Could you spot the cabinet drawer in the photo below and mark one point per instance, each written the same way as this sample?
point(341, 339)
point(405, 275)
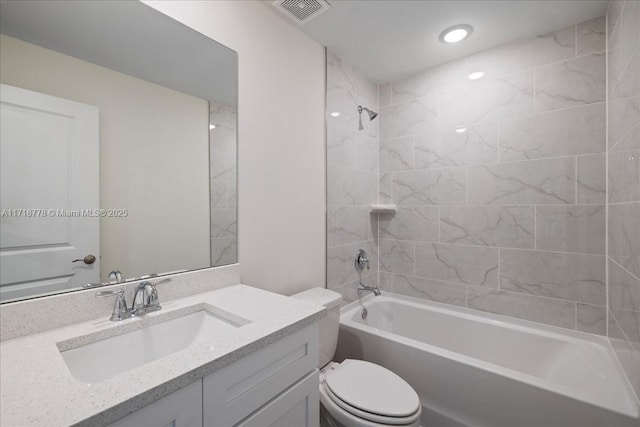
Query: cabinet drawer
point(237, 390)
point(182, 408)
point(299, 406)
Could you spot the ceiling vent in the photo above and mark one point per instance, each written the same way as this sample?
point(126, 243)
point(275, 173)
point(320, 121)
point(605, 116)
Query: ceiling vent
point(302, 11)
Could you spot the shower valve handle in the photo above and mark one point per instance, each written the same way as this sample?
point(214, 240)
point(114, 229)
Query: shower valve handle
point(361, 260)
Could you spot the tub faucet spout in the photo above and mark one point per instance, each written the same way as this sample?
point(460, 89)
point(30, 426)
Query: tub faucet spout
point(363, 289)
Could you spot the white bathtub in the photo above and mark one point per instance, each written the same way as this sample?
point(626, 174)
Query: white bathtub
point(478, 369)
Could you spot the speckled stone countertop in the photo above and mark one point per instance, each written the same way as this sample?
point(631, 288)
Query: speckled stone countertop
point(37, 388)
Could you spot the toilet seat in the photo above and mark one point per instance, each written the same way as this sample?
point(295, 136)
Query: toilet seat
point(392, 402)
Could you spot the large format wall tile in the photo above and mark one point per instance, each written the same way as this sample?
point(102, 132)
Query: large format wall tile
point(591, 184)
point(526, 182)
point(410, 223)
point(528, 307)
point(430, 82)
point(472, 265)
point(624, 235)
point(348, 224)
point(623, 61)
point(628, 83)
point(624, 176)
point(571, 228)
point(345, 75)
point(624, 117)
point(352, 177)
point(571, 83)
point(572, 131)
point(628, 354)
point(477, 145)
point(432, 290)
point(409, 118)
point(430, 187)
point(224, 251)
point(534, 140)
point(591, 318)
point(224, 223)
point(525, 54)
point(396, 154)
point(591, 36)
point(396, 256)
point(484, 101)
point(629, 322)
point(385, 191)
point(573, 277)
point(340, 262)
point(506, 226)
point(624, 288)
point(346, 186)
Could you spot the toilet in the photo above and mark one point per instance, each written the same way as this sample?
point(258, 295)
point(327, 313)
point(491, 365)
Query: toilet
point(356, 393)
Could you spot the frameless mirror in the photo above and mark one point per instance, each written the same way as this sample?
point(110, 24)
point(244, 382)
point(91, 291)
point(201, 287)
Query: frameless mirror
point(118, 146)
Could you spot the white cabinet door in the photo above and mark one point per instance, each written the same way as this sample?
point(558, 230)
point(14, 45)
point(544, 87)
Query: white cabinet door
point(299, 406)
point(236, 391)
point(182, 408)
point(49, 168)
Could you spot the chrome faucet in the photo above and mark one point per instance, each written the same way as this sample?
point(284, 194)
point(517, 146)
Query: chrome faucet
point(117, 275)
point(361, 261)
point(120, 310)
point(363, 289)
point(145, 298)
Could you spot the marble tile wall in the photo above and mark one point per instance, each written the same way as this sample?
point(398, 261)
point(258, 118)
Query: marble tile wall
point(623, 198)
point(352, 177)
point(223, 176)
point(501, 182)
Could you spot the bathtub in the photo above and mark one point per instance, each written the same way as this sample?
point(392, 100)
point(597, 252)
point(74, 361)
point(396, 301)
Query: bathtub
point(476, 369)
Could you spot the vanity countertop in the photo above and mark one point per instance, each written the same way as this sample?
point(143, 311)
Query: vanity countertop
point(37, 388)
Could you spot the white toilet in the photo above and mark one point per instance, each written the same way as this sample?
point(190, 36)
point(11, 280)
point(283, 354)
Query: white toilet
point(356, 393)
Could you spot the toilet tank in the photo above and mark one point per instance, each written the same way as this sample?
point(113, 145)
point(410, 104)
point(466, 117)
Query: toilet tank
point(329, 325)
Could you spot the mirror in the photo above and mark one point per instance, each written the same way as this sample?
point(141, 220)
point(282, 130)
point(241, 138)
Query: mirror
point(118, 146)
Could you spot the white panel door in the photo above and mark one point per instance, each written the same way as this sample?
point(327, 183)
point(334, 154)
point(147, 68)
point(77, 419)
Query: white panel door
point(49, 193)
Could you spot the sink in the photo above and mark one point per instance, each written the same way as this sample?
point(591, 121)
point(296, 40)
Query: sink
point(100, 360)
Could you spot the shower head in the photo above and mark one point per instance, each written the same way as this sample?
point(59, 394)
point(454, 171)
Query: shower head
point(372, 115)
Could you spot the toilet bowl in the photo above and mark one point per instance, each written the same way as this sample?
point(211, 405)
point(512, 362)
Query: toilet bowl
point(356, 393)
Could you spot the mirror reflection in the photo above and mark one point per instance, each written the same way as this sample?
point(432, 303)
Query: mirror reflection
point(118, 147)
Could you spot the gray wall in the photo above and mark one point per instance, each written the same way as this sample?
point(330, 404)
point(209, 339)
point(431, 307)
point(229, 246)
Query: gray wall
point(624, 185)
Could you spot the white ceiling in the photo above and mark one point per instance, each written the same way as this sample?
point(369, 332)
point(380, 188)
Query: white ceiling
point(388, 40)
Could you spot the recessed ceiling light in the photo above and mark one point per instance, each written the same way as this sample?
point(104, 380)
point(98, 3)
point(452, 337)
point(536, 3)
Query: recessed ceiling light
point(456, 33)
point(335, 114)
point(211, 127)
point(476, 75)
point(461, 130)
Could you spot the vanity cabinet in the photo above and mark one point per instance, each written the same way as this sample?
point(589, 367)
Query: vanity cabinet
point(182, 408)
point(274, 386)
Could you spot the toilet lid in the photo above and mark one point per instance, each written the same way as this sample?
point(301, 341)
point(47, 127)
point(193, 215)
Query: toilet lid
point(372, 388)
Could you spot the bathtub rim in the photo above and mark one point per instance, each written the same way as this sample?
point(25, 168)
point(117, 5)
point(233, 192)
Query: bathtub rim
point(630, 407)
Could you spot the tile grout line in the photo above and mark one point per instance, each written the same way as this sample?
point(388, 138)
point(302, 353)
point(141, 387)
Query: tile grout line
point(606, 179)
point(575, 167)
point(535, 227)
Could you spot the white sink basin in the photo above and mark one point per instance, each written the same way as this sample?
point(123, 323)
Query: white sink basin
point(109, 357)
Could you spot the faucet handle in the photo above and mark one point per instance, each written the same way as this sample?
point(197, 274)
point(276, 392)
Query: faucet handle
point(145, 299)
point(361, 260)
point(120, 310)
point(153, 302)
